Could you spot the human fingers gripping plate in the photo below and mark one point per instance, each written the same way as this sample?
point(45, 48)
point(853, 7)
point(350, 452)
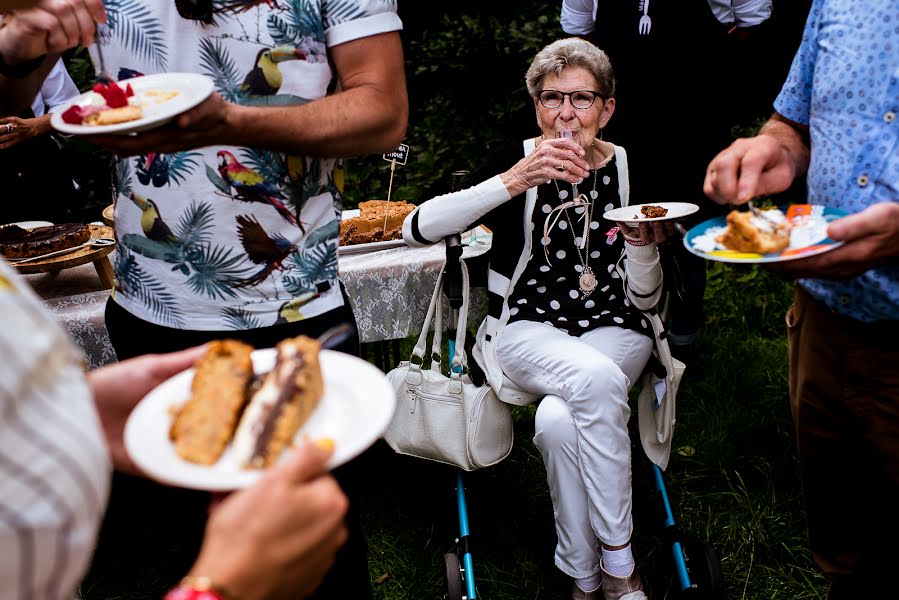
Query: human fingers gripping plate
point(160, 97)
point(356, 407)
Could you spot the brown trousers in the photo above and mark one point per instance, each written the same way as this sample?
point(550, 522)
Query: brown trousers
point(844, 392)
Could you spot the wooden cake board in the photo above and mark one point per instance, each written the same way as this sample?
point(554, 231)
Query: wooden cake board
point(97, 255)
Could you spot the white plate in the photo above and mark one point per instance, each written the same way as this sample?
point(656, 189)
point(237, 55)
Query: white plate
point(193, 88)
point(355, 410)
point(370, 247)
point(29, 224)
point(625, 214)
point(808, 236)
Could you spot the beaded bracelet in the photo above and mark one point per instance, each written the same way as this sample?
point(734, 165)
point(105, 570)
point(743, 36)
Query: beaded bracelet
point(196, 588)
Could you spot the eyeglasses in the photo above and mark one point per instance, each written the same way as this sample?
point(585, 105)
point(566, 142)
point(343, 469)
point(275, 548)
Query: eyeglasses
point(195, 10)
point(580, 99)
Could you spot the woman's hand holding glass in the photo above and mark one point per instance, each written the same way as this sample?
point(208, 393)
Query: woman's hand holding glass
point(555, 158)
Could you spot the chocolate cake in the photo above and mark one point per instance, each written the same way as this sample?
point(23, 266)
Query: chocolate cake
point(369, 225)
point(16, 242)
point(653, 212)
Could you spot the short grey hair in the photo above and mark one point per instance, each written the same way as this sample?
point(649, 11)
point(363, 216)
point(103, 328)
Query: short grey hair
point(571, 52)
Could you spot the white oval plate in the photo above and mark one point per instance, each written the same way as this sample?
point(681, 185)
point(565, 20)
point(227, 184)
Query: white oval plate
point(354, 411)
point(625, 214)
point(29, 224)
point(193, 88)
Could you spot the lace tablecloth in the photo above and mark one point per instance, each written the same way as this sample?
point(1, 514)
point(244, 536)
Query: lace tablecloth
point(389, 290)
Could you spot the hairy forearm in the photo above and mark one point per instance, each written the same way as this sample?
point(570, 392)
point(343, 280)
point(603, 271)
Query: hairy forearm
point(362, 120)
point(792, 137)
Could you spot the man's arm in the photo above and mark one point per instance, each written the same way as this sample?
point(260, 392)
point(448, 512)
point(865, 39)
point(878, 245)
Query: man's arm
point(45, 30)
point(765, 164)
point(369, 115)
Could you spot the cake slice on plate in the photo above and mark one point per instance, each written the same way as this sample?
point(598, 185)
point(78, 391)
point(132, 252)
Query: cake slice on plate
point(204, 425)
point(287, 397)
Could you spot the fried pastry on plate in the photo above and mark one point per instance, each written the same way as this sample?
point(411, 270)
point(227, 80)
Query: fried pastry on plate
point(747, 232)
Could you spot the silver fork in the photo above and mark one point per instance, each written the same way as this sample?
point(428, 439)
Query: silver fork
point(645, 21)
point(752, 208)
point(103, 75)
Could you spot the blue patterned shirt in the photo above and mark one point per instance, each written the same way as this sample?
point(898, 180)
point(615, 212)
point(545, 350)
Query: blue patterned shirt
point(844, 84)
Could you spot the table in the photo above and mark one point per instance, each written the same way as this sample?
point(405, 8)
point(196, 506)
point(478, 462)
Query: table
point(389, 291)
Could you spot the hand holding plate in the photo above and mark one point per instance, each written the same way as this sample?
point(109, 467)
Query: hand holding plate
point(870, 240)
point(204, 125)
point(119, 387)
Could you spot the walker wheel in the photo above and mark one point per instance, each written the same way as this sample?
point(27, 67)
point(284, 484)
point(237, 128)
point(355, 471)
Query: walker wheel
point(705, 571)
point(453, 577)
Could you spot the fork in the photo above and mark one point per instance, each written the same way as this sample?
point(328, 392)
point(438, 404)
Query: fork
point(103, 75)
point(753, 209)
point(645, 21)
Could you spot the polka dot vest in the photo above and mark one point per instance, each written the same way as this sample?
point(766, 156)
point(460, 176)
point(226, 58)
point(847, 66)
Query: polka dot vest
point(549, 293)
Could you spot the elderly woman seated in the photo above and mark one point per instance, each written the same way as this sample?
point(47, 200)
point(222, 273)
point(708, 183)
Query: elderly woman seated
point(566, 291)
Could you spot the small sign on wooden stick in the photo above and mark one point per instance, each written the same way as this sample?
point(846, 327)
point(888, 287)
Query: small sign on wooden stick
point(400, 155)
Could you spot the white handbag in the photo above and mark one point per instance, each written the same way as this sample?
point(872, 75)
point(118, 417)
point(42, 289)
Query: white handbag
point(447, 419)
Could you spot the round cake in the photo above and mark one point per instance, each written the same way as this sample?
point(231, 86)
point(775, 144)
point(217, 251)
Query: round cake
point(16, 242)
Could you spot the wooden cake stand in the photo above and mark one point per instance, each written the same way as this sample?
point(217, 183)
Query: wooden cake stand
point(108, 215)
point(97, 255)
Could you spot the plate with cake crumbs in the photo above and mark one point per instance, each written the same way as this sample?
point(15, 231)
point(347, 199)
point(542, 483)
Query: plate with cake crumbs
point(776, 234)
point(132, 105)
point(355, 405)
point(645, 213)
point(366, 247)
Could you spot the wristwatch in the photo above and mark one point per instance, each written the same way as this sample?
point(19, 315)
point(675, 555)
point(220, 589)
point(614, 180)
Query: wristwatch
point(20, 70)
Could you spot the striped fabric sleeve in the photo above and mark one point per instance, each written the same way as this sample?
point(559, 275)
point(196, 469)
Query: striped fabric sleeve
point(453, 213)
point(644, 275)
point(54, 465)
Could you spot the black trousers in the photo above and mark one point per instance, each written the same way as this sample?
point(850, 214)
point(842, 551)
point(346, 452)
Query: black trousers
point(152, 533)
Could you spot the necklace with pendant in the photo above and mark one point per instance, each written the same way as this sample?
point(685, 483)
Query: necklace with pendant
point(587, 280)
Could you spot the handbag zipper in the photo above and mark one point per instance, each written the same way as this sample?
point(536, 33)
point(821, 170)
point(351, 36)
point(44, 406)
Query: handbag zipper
point(432, 397)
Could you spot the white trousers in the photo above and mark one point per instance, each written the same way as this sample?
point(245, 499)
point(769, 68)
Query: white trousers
point(581, 429)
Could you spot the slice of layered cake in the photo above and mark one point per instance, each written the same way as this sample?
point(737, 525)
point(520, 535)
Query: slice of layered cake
point(289, 394)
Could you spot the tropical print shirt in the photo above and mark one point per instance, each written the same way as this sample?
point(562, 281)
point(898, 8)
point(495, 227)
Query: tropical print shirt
point(225, 238)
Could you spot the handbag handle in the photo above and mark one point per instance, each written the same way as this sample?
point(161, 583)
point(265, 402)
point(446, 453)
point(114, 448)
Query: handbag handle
point(436, 304)
point(419, 350)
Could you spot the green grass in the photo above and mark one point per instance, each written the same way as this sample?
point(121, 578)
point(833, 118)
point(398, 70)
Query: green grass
point(733, 479)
